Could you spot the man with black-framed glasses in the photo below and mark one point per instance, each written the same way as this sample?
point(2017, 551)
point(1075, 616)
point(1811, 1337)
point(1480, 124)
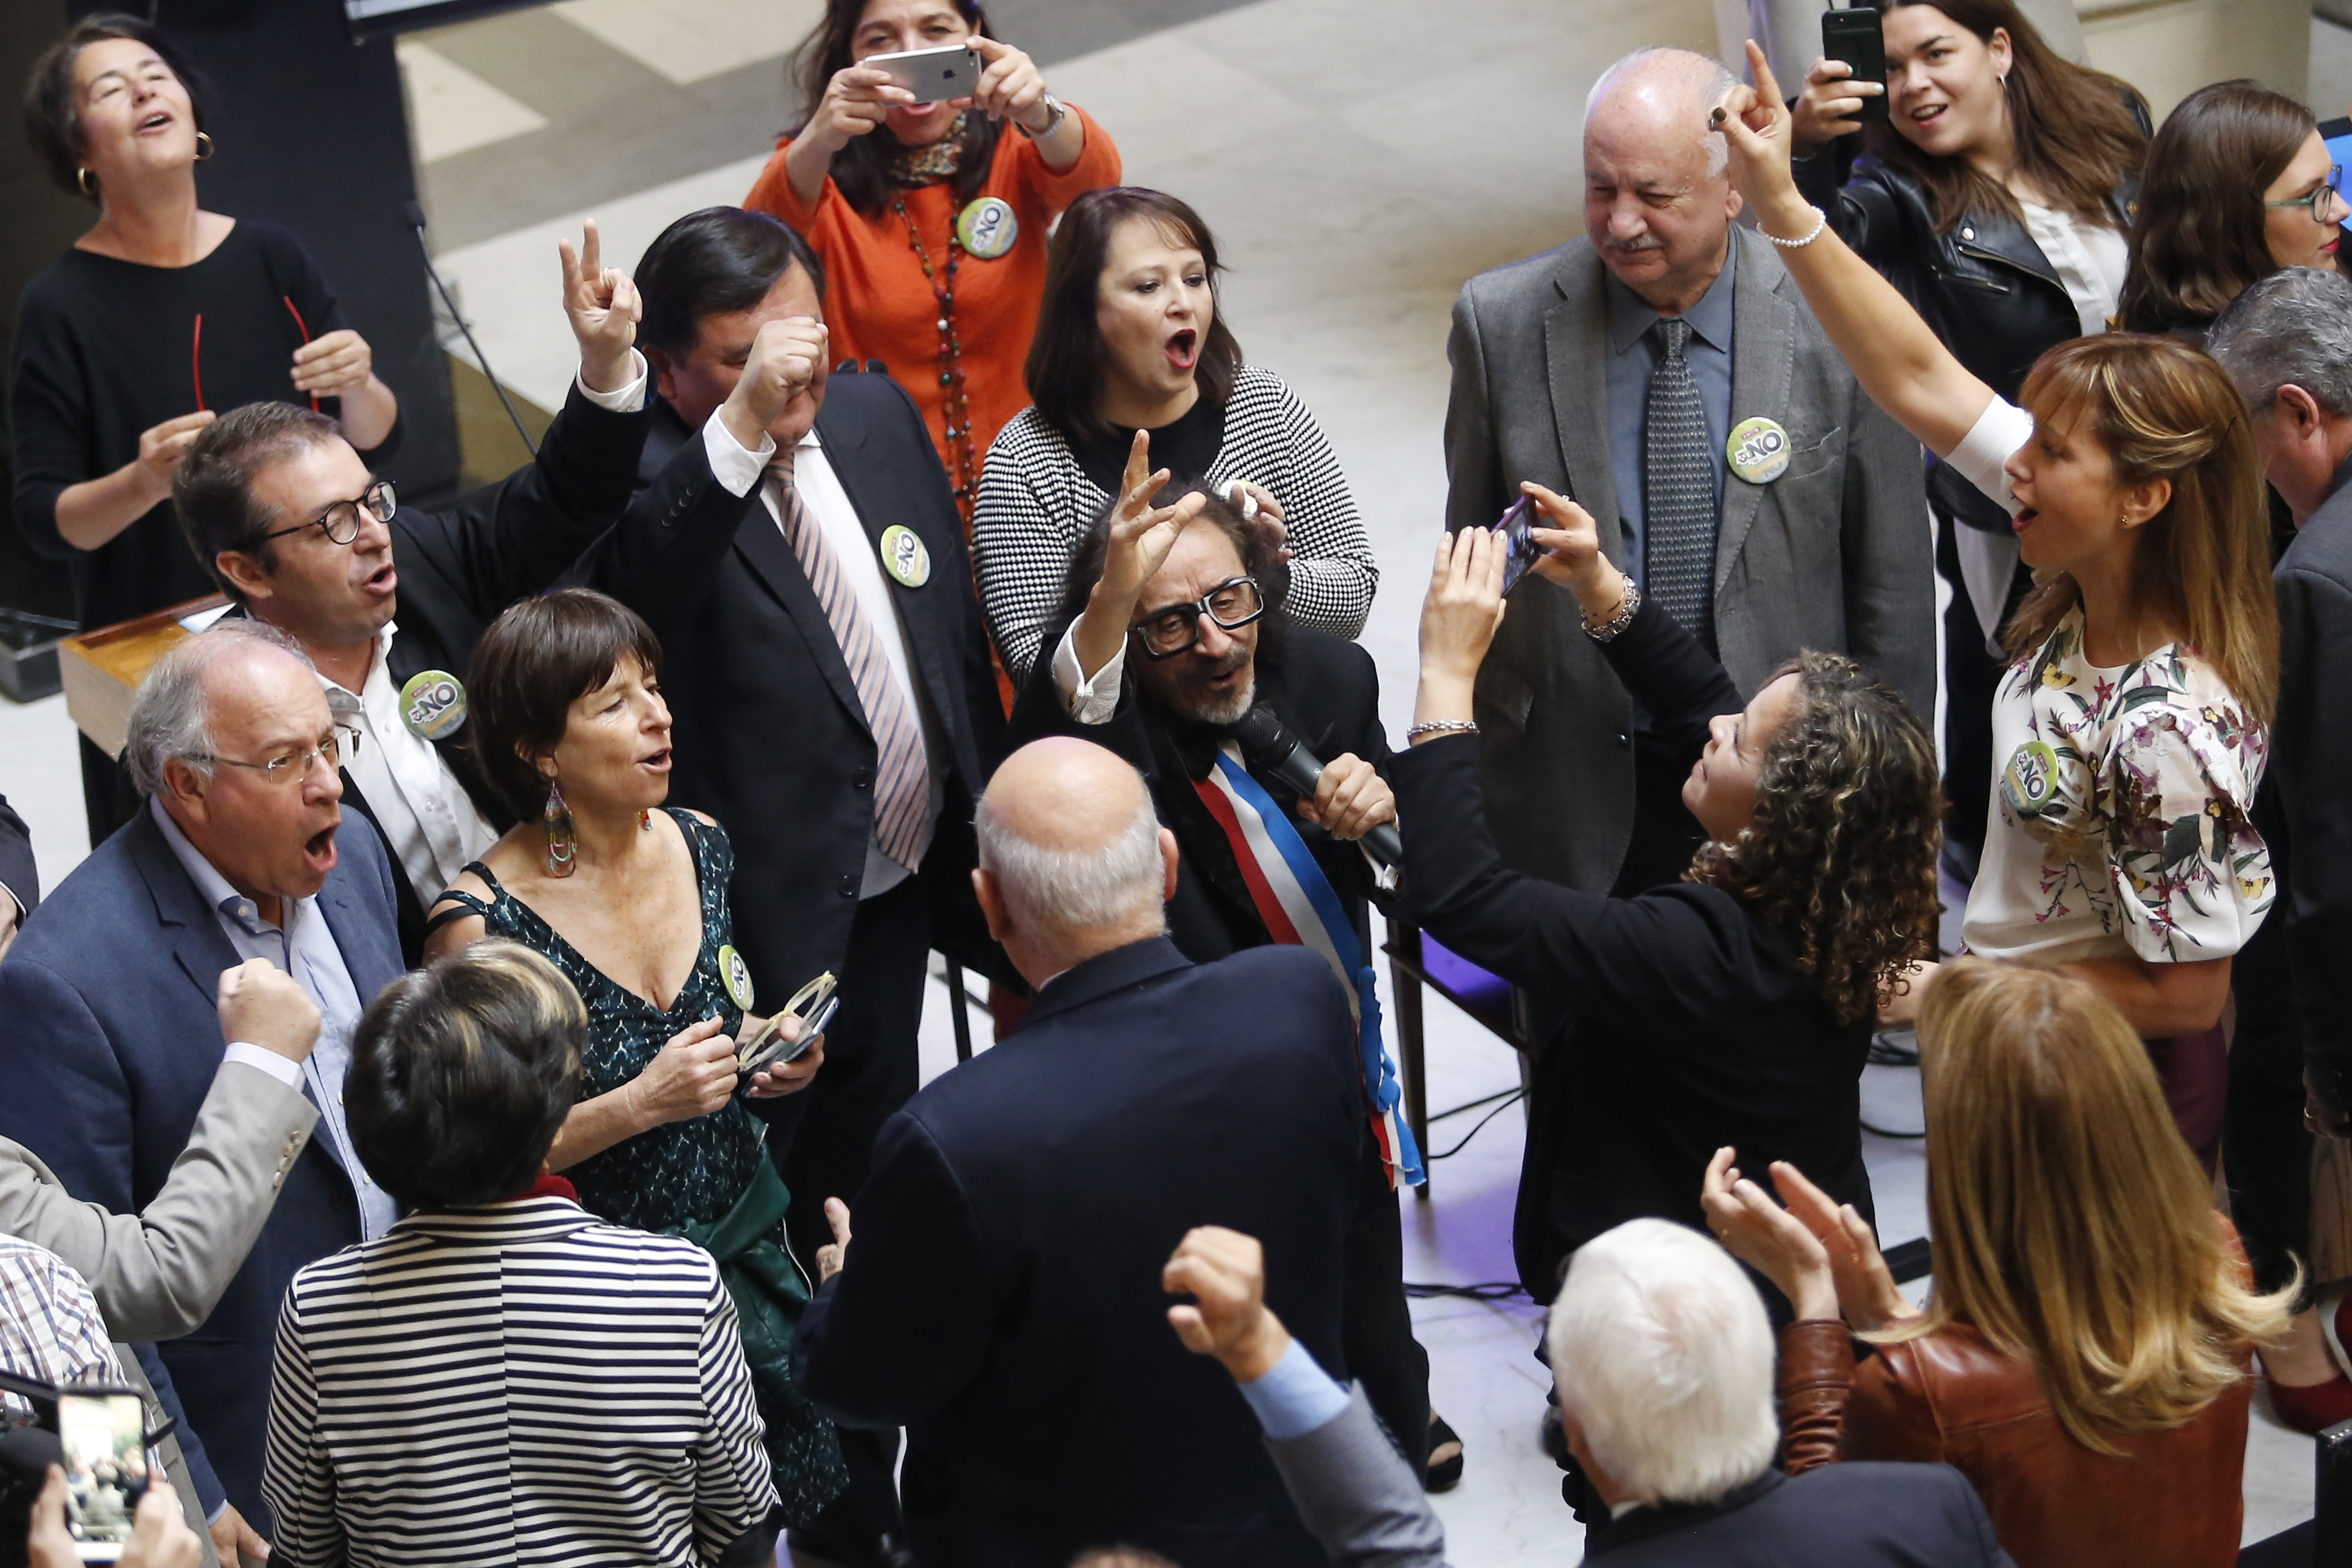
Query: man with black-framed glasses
point(1172, 629)
point(301, 534)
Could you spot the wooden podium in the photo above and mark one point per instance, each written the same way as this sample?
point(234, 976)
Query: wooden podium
point(101, 669)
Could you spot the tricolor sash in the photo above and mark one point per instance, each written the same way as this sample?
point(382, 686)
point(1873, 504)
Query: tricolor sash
point(1296, 901)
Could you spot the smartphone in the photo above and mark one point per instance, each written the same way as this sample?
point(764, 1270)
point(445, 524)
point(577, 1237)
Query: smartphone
point(933, 74)
point(1856, 36)
point(813, 1004)
point(1520, 550)
point(103, 1434)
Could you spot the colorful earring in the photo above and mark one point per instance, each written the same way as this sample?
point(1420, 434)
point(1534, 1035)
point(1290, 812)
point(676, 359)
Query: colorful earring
point(562, 848)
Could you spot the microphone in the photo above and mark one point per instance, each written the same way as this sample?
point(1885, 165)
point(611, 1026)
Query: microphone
point(413, 215)
point(1267, 742)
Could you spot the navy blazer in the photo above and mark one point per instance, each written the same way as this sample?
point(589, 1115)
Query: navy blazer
point(1002, 1299)
point(1852, 1515)
point(769, 736)
point(111, 1044)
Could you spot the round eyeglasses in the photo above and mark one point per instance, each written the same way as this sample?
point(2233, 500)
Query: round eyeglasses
point(341, 740)
point(1232, 604)
point(340, 522)
point(2321, 197)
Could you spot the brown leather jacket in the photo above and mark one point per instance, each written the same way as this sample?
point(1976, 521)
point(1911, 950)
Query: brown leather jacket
point(2174, 1502)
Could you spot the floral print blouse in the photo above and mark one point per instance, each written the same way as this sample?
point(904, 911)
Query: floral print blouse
point(2120, 820)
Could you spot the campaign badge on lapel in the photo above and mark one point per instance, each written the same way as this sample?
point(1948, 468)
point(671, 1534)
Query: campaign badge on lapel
point(1758, 451)
point(736, 975)
point(988, 227)
point(433, 704)
point(905, 556)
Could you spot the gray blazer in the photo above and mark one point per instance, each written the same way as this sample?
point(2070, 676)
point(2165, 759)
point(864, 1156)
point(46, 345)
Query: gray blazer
point(1356, 1494)
point(1835, 554)
point(156, 1274)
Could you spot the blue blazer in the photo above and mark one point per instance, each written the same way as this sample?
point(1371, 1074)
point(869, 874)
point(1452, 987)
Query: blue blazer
point(110, 1041)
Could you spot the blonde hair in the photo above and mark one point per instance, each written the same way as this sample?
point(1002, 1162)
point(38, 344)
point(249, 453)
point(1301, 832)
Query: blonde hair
point(2072, 1226)
point(2164, 411)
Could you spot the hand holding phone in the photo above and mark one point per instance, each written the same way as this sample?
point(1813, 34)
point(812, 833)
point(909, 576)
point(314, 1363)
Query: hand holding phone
point(1856, 37)
point(1520, 550)
point(812, 1008)
point(933, 76)
point(103, 1434)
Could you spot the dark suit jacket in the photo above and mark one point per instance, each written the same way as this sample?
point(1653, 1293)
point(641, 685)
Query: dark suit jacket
point(1326, 690)
point(18, 873)
point(2311, 772)
point(111, 1043)
point(1835, 553)
point(1693, 1026)
point(1854, 1516)
point(460, 568)
point(769, 736)
point(1002, 1299)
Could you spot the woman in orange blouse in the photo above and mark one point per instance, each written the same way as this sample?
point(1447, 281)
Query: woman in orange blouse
point(933, 234)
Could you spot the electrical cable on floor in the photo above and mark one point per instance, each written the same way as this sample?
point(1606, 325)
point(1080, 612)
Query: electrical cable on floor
point(1517, 1094)
point(1885, 1052)
point(1492, 1291)
point(1471, 1105)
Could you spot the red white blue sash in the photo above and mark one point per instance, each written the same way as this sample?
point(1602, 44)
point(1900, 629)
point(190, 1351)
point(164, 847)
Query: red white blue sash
point(1299, 905)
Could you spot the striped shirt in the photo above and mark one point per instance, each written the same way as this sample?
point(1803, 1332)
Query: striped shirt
point(515, 1384)
point(50, 1326)
point(1035, 502)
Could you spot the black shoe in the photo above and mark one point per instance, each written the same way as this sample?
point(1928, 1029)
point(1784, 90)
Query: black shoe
point(1446, 1474)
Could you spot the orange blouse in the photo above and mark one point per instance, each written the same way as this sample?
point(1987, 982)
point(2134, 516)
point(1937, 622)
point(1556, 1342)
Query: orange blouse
point(879, 305)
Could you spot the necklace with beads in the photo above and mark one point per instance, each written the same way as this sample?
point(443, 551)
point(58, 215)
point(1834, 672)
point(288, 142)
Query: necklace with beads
point(955, 405)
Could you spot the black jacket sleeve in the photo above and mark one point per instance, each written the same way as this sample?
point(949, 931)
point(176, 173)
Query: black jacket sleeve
point(665, 554)
point(2312, 770)
point(1673, 677)
point(513, 539)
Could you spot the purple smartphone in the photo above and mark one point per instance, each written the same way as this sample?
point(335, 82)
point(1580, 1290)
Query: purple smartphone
point(1520, 550)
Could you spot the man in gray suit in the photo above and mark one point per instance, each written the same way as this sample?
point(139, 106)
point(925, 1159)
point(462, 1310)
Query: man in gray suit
point(156, 1274)
point(1664, 371)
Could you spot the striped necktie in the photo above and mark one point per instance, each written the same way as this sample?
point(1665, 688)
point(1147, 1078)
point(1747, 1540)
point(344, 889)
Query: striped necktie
point(1677, 490)
point(902, 784)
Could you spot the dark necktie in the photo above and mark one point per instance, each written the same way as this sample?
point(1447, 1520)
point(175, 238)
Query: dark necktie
point(1677, 490)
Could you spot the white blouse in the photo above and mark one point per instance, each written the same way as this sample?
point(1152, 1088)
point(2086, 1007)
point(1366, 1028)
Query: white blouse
point(2089, 258)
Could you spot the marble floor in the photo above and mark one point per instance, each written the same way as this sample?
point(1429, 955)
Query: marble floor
point(1357, 160)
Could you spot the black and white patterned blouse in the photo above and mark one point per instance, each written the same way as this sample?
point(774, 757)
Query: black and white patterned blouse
point(1035, 500)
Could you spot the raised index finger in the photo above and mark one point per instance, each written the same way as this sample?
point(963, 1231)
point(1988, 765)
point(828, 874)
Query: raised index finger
point(1768, 87)
point(571, 266)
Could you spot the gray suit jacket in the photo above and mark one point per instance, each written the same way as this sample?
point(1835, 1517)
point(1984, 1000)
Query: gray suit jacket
point(1835, 554)
point(156, 1274)
point(1356, 1494)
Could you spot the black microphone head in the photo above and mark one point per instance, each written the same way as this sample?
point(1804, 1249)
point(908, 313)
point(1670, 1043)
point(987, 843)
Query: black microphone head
point(414, 214)
point(1264, 739)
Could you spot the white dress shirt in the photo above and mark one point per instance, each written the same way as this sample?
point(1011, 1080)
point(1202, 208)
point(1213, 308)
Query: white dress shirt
point(1090, 699)
point(829, 508)
point(430, 824)
point(303, 947)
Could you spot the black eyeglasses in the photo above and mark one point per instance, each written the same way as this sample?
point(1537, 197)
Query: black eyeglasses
point(296, 763)
point(1232, 604)
point(340, 522)
point(2321, 195)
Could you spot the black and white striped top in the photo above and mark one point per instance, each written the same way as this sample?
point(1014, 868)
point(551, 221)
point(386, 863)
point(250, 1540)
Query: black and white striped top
point(1035, 501)
point(515, 1384)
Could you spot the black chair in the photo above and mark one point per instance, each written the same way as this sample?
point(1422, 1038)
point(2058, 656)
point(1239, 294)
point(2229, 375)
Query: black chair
point(2326, 1538)
point(1417, 959)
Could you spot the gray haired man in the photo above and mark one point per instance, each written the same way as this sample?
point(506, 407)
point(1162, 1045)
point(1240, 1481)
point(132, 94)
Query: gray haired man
point(241, 851)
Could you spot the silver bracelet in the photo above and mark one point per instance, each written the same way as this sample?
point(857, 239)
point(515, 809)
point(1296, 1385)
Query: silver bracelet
point(1607, 632)
point(1442, 726)
point(1820, 222)
point(1053, 123)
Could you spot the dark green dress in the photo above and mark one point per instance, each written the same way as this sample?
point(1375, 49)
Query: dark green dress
point(685, 1178)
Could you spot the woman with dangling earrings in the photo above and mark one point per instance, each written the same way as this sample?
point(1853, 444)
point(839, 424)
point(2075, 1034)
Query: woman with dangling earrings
point(932, 217)
point(158, 318)
point(629, 897)
point(1998, 196)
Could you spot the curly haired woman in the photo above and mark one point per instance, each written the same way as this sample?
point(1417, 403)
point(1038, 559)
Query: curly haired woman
point(1735, 1005)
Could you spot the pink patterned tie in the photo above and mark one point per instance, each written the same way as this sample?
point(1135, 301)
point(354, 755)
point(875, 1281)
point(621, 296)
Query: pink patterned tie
point(902, 783)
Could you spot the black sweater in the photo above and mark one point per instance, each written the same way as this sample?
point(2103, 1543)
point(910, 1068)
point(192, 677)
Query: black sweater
point(107, 350)
point(1693, 1028)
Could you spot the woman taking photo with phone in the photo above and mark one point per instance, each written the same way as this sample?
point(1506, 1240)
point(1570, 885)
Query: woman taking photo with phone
point(1737, 1002)
point(160, 317)
point(2132, 724)
point(1130, 339)
point(2240, 184)
point(930, 217)
point(2083, 1358)
point(1996, 195)
point(628, 898)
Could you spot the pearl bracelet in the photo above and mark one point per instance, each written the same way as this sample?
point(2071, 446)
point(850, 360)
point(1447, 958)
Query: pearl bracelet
point(1820, 222)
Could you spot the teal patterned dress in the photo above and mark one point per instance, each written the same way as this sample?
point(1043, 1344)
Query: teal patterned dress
point(682, 1176)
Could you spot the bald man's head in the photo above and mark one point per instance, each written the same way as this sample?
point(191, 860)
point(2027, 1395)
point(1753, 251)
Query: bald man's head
point(1070, 840)
point(1657, 206)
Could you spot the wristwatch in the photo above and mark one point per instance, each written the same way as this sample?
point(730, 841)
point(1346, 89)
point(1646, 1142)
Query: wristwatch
point(1053, 123)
